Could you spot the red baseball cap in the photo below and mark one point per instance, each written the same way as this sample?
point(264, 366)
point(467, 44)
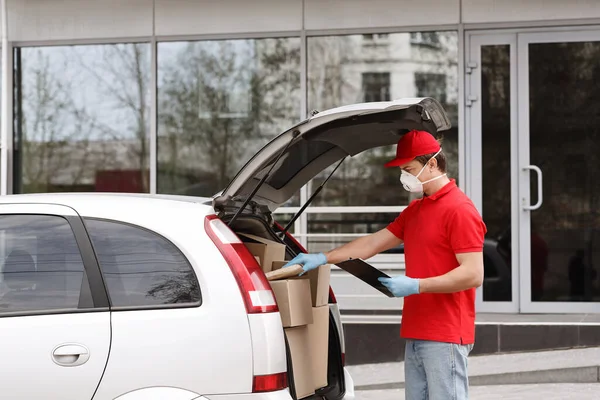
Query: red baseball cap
point(413, 144)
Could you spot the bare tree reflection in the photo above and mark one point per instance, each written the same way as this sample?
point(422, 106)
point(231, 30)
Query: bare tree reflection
point(219, 102)
point(82, 112)
point(180, 288)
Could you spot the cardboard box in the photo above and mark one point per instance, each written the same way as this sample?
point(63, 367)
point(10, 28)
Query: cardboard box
point(266, 250)
point(293, 300)
point(319, 282)
point(319, 285)
point(278, 265)
point(318, 338)
point(300, 354)
point(293, 271)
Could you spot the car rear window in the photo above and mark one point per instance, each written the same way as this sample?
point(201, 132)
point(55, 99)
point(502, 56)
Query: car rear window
point(142, 268)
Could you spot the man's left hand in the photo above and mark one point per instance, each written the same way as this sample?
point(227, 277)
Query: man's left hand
point(401, 285)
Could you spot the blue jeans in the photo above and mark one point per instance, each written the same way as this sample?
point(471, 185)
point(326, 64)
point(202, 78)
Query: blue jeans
point(436, 370)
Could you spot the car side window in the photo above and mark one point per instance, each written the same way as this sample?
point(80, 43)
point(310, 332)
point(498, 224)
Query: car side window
point(142, 268)
point(41, 266)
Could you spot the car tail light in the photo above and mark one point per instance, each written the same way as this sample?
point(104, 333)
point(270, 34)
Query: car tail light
point(253, 284)
point(269, 383)
point(332, 299)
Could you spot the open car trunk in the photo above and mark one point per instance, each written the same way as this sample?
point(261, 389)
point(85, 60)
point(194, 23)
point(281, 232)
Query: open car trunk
point(289, 161)
point(335, 388)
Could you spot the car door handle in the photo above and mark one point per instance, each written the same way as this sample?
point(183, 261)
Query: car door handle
point(70, 355)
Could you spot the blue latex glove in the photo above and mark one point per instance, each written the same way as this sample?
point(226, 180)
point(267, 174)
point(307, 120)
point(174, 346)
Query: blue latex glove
point(308, 261)
point(401, 285)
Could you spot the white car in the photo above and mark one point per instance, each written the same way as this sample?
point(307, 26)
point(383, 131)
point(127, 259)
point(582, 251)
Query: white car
point(139, 297)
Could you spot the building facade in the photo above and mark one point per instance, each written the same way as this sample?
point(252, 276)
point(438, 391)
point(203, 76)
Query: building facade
point(174, 96)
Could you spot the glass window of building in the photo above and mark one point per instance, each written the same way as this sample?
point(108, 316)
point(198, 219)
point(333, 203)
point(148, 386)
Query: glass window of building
point(357, 68)
point(376, 86)
point(219, 102)
point(82, 118)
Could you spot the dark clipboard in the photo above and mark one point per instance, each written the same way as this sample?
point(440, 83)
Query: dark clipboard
point(366, 273)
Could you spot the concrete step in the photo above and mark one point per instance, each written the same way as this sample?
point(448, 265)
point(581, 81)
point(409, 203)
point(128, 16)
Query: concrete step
point(580, 365)
point(376, 339)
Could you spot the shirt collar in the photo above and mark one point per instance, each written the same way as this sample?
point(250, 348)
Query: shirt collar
point(444, 190)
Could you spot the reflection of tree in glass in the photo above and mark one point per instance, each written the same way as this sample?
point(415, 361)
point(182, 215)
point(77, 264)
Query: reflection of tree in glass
point(82, 109)
point(50, 126)
point(219, 102)
point(123, 75)
point(180, 288)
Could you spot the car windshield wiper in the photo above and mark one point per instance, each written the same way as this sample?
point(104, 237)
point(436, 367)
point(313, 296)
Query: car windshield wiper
point(264, 178)
point(316, 192)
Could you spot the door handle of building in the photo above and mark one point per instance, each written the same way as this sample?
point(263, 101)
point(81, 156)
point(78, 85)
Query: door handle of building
point(70, 355)
point(539, 185)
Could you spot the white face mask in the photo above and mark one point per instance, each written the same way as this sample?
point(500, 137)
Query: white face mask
point(412, 183)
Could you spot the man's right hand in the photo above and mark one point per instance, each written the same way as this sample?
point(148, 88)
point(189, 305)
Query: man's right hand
point(308, 261)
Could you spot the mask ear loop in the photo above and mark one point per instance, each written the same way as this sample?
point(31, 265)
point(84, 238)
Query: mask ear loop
point(437, 177)
point(425, 166)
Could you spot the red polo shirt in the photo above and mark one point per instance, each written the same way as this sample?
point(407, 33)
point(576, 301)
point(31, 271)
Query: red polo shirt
point(434, 229)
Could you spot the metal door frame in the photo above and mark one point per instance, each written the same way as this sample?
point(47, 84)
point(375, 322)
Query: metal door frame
point(474, 42)
point(521, 170)
point(524, 39)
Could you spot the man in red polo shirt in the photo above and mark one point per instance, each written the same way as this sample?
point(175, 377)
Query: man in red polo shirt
point(443, 237)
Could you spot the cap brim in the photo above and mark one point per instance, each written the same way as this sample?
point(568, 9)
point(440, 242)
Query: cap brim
point(396, 162)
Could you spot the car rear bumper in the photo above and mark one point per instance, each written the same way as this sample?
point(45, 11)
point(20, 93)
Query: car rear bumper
point(279, 395)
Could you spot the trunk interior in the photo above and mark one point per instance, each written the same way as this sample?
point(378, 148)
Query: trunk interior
point(255, 225)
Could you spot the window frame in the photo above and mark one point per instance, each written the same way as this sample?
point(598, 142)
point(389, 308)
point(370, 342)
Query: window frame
point(156, 307)
point(97, 295)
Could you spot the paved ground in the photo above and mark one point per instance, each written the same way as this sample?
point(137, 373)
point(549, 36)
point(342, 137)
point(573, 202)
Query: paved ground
point(579, 391)
point(372, 376)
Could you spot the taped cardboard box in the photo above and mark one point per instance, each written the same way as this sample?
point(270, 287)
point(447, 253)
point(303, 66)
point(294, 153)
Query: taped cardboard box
point(300, 353)
point(319, 282)
point(318, 338)
point(293, 301)
point(266, 250)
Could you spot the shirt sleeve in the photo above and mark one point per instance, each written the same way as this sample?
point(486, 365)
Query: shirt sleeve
point(466, 230)
point(397, 225)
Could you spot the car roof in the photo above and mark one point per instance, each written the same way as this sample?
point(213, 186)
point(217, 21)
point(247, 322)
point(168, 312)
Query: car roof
point(127, 207)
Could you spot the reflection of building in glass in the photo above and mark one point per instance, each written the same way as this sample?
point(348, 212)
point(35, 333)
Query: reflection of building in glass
point(379, 67)
point(348, 69)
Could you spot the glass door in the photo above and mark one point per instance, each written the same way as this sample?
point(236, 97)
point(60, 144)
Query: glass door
point(491, 139)
point(559, 171)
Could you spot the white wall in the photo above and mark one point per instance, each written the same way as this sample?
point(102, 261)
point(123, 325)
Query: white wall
point(186, 17)
point(481, 11)
point(335, 14)
point(35, 20)
point(51, 20)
